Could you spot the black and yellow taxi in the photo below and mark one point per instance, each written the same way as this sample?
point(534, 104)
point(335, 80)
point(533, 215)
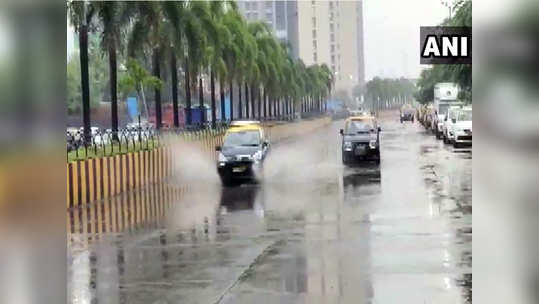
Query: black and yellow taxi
point(360, 139)
point(242, 154)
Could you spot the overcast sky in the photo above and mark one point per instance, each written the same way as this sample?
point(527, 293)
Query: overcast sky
point(392, 35)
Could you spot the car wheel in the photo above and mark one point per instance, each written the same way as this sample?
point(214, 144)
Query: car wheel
point(344, 158)
point(227, 182)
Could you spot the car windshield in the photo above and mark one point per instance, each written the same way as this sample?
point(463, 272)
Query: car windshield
point(359, 126)
point(242, 138)
point(443, 109)
point(464, 116)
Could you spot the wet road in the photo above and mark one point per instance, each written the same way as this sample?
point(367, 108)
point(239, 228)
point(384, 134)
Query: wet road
point(312, 232)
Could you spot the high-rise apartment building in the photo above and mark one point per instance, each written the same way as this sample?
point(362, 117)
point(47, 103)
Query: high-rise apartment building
point(329, 32)
point(272, 13)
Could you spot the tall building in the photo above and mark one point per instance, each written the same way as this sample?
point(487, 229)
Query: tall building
point(329, 32)
point(271, 12)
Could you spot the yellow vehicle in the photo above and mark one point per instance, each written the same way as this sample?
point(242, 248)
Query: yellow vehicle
point(245, 146)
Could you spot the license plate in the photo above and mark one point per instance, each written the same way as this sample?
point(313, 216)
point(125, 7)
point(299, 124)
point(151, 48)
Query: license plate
point(238, 169)
point(360, 150)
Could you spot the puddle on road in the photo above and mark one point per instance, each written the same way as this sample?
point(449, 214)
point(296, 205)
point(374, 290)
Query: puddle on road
point(190, 246)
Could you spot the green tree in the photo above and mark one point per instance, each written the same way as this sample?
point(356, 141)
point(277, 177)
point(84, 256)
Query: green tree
point(136, 79)
point(113, 17)
point(81, 16)
point(148, 30)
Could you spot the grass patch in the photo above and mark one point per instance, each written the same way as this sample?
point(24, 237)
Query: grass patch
point(96, 151)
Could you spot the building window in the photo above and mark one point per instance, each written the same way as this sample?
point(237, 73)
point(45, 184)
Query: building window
point(269, 16)
point(314, 34)
point(247, 6)
point(269, 4)
point(331, 27)
point(315, 57)
point(332, 37)
point(254, 5)
point(314, 44)
point(333, 68)
point(331, 4)
point(313, 2)
point(332, 59)
point(331, 15)
point(314, 21)
point(333, 48)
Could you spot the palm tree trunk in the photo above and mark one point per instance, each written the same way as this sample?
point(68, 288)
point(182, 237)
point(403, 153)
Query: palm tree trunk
point(84, 82)
point(270, 99)
point(113, 95)
point(157, 73)
point(201, 101)
point(265, 104)
point(286, 108)
point(222, 93)
point(188, 116)
point(246, 100)
point(231, 101)
point(277, 111)
point(253, 110)
point(259, 103)
point(174, 73)
point(240, 106)
point(212, 87)
point(280, 107)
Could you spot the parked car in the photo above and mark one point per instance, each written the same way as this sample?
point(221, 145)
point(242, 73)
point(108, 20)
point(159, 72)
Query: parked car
point(360, 139)
point(462, 128)
point(447, 127)
point(429, 118)
point(242, 155)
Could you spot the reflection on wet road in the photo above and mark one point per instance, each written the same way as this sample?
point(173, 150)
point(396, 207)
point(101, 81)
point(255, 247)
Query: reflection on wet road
point(312, 232)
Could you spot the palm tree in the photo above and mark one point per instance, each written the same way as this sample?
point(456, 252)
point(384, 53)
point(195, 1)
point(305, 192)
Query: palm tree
point(198, 44)
point(174, 13)
point(81, 15)
point(219, 36)
point(233, 53)
point(148, 29)
point(194, 45)
point(113, 17)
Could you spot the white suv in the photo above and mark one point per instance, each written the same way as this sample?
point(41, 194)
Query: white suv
point(462, 127)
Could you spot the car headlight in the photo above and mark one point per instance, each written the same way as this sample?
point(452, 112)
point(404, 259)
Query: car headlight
point(222, 158)
point(372, 144)
point(257, 156)
point(347, 146)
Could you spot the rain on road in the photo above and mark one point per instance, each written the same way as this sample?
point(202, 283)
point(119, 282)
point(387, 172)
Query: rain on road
point(313, 231)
